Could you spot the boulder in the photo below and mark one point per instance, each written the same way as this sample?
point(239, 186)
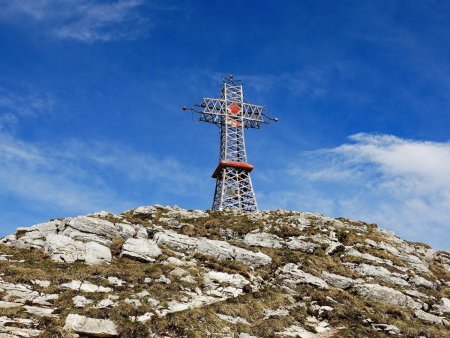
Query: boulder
point(263, 239)
point(81, 301)
point(85, 287)
point(235, 280)
point(214, 248)
point(64, 249)
point(90, 326)
point(266, 240)
point(232, 320)
point(295, 243)
point(17, 327)
point(141, 248)
point(87, 228)
point(378, 272)
point(333, 248)
point(145, 212)
point(40, 311)
point(420, 281)
point(295, 331)
point(97, 254)
point(390, 329)
point(428, 317)
point(20, 293)
point(292, 275)
point(384, 294)
point(337, 280)
point(443, 306)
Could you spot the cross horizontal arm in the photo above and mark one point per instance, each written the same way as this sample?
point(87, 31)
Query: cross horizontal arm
point(212, 111)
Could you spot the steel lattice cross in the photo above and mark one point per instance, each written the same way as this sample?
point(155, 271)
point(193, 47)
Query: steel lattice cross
point(232, 114)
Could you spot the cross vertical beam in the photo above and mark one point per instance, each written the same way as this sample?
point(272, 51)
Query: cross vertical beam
point(232, 114)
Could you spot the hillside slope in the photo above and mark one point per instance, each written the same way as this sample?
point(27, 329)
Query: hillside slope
point(167, 272)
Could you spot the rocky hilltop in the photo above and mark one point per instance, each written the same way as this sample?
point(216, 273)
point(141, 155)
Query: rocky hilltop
point(159, 271)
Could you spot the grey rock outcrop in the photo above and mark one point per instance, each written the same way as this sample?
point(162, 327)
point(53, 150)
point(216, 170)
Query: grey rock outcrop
point(420, 281)
point(97, 253)
point(384, 294)
point(140, 248)
point(92, 229)
point(190, 259)
point(378, 272)
point(214, 248)
point(443, 307)
point(64, 249)
point(428, 317)
point(267, 240)
point(67, 250)
point(263, 239)
point(291, 275)
point(90, 326)
point(337, 280)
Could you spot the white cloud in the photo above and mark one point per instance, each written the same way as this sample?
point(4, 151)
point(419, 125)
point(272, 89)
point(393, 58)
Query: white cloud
point(82, 20)
point(29, 103)
point(309, 81)
point(78, 176)
point(399, 183)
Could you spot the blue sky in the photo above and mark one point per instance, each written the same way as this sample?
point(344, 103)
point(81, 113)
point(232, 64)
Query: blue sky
point(90, 97)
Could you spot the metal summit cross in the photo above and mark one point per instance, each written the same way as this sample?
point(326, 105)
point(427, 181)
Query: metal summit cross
point(231, 113)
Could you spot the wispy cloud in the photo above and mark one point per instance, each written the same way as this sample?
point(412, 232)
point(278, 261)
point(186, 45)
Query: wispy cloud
point(399, 183)
point(82, 20)
point(24, 103)
point(79, 176)
point(30, 102)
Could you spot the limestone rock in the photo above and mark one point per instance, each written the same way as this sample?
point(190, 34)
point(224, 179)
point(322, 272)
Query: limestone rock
point(235, 280)
point(268, 313)
point(428, 317)
point(267, 240)
point(116, 281)
point(390, 329)
point(195, 273)
point(9, 305)
point(81, 301)
point(41, 283)
point(85, 287)
point(295, 331)
point(214, 248)
point(333, 248)
point(420, 281)
point(443, 307)
point(263, 239)
point(91, 229)
point(378, 272)
point(105, 303)
point(145, 212)
point(97, 254)
point(232, 320)
point(337, 280)
point(295, 243)
point(39, 311)
point(64, 249)
point(292, 275)
point(90, 326)
point(18, 292)
point(141, 248)
point(17, 327)
point(384, 294)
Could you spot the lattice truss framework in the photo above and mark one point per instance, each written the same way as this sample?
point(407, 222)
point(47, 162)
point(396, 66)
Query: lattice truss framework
point(232, 114)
